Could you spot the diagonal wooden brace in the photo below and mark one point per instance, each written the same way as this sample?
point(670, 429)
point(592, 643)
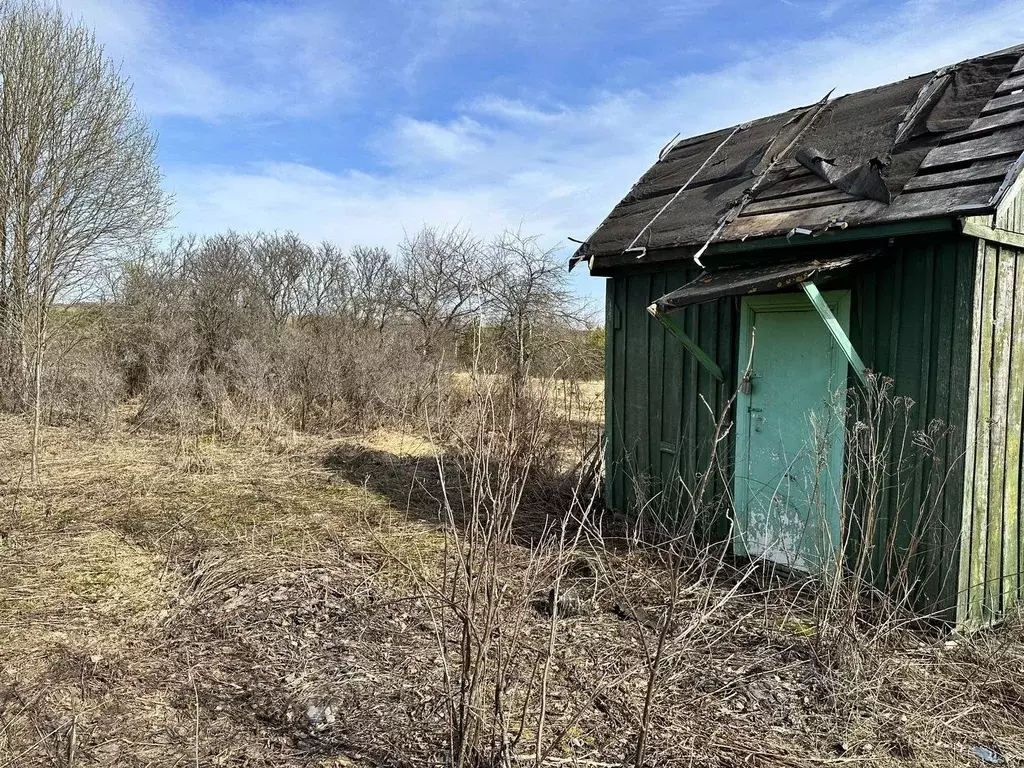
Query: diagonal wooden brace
point(836, 330)
point(676, 330)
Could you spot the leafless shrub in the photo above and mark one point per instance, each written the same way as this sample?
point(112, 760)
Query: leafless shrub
point(81, 385)
point(488, 587)
point(263, 332)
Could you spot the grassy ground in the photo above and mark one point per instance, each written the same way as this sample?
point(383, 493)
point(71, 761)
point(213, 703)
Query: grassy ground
point(197, 602)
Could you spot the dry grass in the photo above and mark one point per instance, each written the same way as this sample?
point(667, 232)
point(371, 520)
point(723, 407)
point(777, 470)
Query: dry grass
point(214, 603)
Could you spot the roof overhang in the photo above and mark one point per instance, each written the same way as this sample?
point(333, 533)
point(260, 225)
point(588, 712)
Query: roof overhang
point(944, 144)
point(717, 283)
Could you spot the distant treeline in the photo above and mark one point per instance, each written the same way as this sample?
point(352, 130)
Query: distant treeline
point(261, 330)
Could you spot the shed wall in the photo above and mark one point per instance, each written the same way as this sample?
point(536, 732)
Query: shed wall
point(910, 319)
point(991, 560)
point(661, 404)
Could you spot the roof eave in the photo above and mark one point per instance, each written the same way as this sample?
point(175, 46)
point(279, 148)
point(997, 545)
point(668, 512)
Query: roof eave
point(605, 266)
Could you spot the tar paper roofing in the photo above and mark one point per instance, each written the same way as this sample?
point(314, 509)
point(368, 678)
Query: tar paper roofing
point(942, 143)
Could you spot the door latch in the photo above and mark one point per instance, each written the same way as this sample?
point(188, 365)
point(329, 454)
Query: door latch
point(747, 383)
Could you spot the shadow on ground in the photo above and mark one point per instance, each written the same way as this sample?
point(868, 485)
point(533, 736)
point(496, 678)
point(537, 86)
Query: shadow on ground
point(417, 486)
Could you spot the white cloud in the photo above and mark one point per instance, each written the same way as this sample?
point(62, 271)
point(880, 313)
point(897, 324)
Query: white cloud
point(357, 208)
point(515, 110)
point(242, 60)
point(349, 208)
point(424, 143)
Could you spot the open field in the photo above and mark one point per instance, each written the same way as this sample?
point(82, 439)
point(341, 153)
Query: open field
point(195, 601)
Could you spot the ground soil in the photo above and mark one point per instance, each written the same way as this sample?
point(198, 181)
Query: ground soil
point(172, 601)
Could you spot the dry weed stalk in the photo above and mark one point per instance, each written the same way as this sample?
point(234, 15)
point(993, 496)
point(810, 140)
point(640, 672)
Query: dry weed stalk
point(872, 587)
point(688, 561)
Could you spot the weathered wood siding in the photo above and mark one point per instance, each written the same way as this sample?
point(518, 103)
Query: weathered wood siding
point(660, 402)
point(1010, 215)
point(910, 320)
point(990, 563)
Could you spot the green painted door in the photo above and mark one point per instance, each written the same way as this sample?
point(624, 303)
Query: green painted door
point(789, 432)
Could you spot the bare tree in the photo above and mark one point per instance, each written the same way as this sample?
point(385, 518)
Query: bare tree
point(326, 282)
point(440, 285)
point(529, 301)
point(374, 286)
point(278, 263)
point(78, 178)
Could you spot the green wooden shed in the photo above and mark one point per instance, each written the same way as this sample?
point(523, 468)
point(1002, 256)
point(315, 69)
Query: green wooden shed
point(775, 272)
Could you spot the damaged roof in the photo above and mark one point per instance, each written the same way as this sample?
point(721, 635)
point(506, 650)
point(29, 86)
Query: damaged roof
point(939, 144)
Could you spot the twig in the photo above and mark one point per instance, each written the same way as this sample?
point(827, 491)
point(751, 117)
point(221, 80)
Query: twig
point(195, 695)
point(73, 742)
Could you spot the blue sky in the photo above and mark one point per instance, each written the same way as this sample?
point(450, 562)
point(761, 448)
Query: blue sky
point(356, 121)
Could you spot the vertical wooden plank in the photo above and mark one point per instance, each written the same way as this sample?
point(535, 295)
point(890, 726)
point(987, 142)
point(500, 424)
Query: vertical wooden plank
point(1014, 419)
point(1002, 321)
point(706, 384)
point(863, 321)
point(897, 308)
point(683, 441)
point(635, 406)
point(645, 325)
point(980, 507)
point(865, 318)
point(890, 514)
point(918, 511)
point(965, 590)
point(610, 394)
point(909, 382)
point(672, 396)
point(925, 390)
point(1011, 217)
point(655, 376)
point(691, 399)
point(729, 309)
point(957, 343)
point(962, 389)
point(884, 280)
point(1014, 534)
point(624, 452)
point(938, 565)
